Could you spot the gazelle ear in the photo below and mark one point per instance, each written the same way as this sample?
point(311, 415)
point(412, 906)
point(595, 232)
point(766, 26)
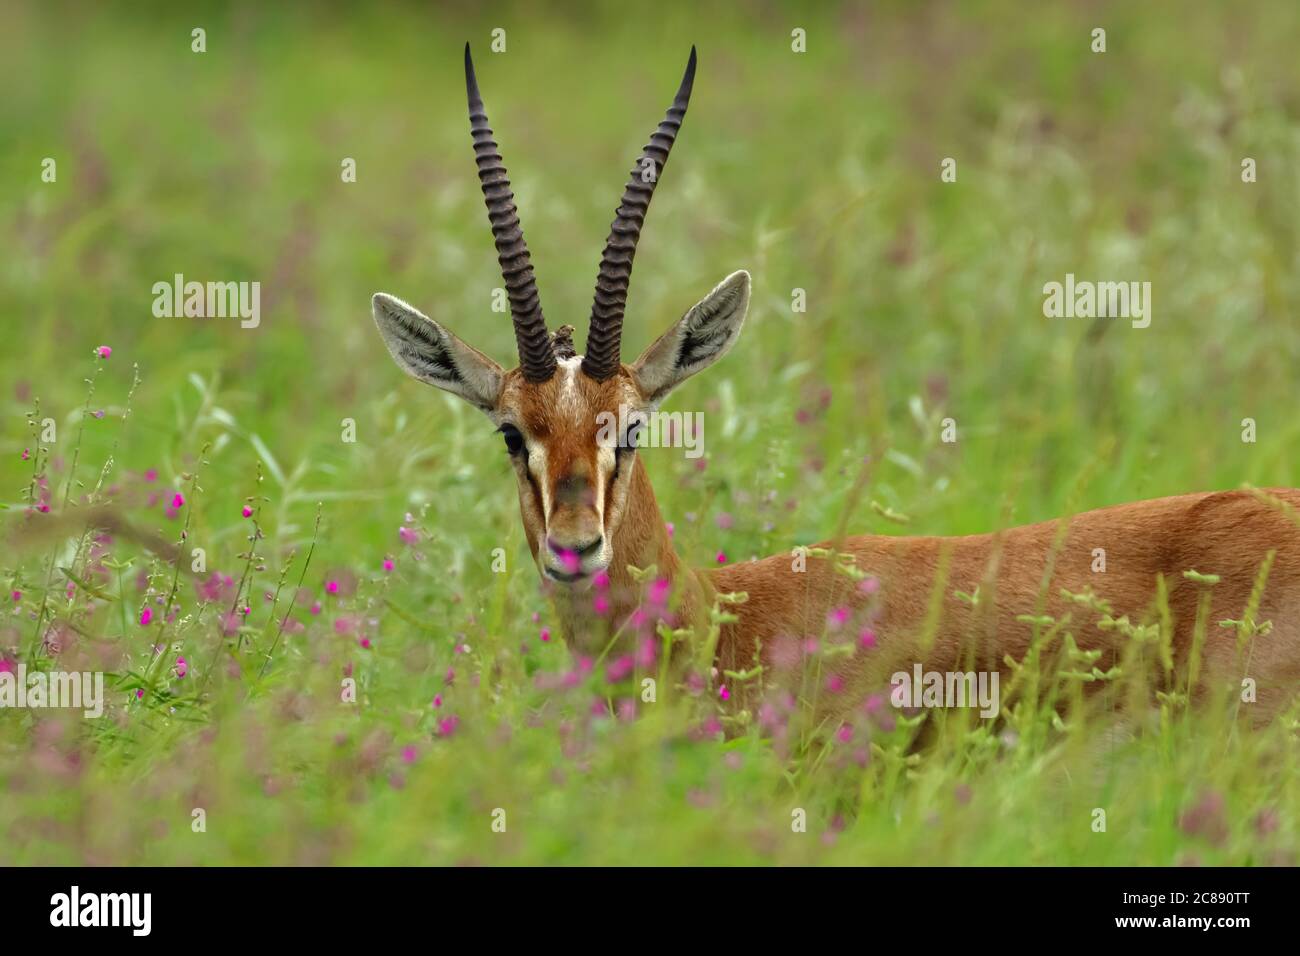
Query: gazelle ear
point(427, 351)
point(700, 337)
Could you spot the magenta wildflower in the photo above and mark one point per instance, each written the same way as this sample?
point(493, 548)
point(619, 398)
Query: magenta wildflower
point(620, 668)
point(838, 616)
point(388, 564)
point(600, 581)
point(722, 557)
point(437, 700)
point(26, 454)
point(546, 634)
point(658, 593)
point(139, 694)
point(181, 667)
point(408, 754)
point(104, 351)
point(365, 642)
point(600, 604)
point(447, 726)
point(409, 535)
point(867, 639)
point(845, 733)
point(868, 585)
point(331, 587)
point(178, 500)
point(670, 528)
point(835, 683)
point(146, 616)
point(17, 595)
point(151, 474)
point(724, 521)
point(247, 511)
point(315, 608)
point(724, 693)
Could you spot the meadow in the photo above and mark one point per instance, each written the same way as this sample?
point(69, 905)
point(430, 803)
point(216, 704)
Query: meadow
point(340, 676)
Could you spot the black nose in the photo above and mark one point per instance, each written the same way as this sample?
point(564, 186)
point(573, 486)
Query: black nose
point(581, 550)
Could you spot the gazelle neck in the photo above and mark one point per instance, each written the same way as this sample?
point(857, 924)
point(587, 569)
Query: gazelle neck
point(590, 617)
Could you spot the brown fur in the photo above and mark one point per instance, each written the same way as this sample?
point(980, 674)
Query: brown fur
point(1223, 533)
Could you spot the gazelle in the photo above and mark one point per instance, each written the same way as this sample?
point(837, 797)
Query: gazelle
point(589, 511)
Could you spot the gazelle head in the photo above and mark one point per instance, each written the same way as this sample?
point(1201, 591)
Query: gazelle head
point(574, 476)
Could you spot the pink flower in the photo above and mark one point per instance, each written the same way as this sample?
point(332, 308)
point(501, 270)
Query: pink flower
point(619, 669)
point(408, 754)
point(365, 642)
point(146, 616)
point(844, 734)
point(437, 700)
point(151, 474)
point(331, 587)
point(18, 595)
point(104, 351)
point(546, 634)
point(600, 581)
point(670, 528)
point(178, 500)
point(447, 726)
point(388, 564)
point(838, 616)
point(26, 454)
point(181, 667)
point(139, 694)
point(247, 511)
point(867, 639)
point(835, 683)
point(409, 535)
point(658, 593)
point(722, 557)
point(600, 604)
point(724, 520)
point(868, 585)
point(315, 608)
point(724, 693)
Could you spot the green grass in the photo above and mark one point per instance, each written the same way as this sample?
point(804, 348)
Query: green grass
point(817, 171)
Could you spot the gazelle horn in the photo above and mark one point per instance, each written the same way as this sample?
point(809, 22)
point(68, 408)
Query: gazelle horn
point(603, 338)
point(535, 356)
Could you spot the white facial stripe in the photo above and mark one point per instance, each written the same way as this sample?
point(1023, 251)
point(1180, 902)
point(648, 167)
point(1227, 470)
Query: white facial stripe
point(537, 465)
point(568, 368)
point(604, 468)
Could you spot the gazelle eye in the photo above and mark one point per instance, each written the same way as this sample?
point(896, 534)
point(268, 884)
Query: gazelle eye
point(514, 440)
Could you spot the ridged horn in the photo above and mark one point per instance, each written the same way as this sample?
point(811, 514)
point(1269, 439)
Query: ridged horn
point(606, 331)
point(535, 356)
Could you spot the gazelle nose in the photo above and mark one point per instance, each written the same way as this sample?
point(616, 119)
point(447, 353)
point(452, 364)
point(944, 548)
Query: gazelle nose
point(581, 550)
